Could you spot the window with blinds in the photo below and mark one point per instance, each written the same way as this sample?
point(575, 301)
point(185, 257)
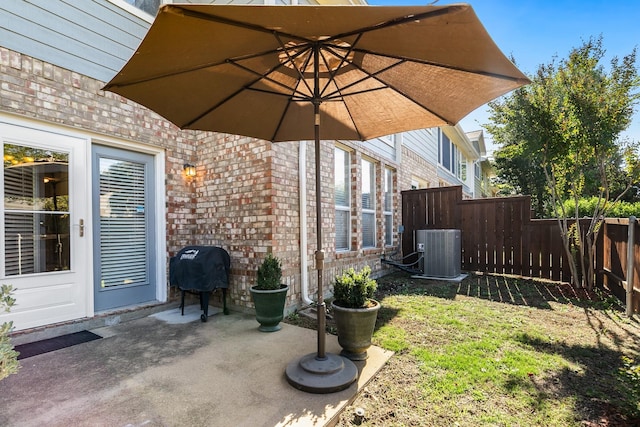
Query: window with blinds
point(368, 204)
point(36, 210)
point(388, 207)
point(123, 217)
point(342, 199)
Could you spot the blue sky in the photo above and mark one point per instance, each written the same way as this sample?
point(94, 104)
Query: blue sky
point(534, 31)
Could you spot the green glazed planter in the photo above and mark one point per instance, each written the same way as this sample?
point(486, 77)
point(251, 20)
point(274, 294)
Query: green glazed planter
point(355, 328)
point(269, 306)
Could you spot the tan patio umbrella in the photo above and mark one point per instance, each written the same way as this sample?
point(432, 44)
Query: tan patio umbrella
point(285, 73)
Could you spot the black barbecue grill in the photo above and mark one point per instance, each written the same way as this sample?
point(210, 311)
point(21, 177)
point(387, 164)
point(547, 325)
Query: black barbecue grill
point(201, 270)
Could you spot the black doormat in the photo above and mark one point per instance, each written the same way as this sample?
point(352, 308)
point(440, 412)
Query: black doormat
point(53, 344)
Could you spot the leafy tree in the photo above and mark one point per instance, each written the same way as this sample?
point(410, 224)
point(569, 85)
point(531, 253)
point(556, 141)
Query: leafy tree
point(565, 126)
point(519, 170)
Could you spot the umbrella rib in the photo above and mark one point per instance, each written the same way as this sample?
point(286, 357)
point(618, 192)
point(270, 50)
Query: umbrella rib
point(338, 95)
point(436, 64)
point(214, 107)
point(359, 32)
point(280, 121)
point(293, 97)
point(343, 59)
point(190, 69)
point(368, 75)
point(254, 27)
point(401, 20)
point(232, 22)
point(292, 59)
point(388, 86)
point(233, 61)
point(265, 77)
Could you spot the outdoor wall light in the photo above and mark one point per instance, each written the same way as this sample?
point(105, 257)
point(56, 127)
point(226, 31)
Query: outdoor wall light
point(189, 170)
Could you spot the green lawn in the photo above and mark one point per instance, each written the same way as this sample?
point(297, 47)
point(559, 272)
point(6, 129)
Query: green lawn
point(497, 351)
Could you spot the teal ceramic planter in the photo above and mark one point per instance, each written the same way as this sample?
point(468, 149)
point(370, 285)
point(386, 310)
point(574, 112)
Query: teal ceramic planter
point(269, 305)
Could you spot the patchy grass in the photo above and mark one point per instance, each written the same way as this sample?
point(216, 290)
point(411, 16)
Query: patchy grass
point(500, 351)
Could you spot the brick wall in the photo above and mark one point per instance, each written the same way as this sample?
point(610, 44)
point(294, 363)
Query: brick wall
point(415, 166)
point(235, 209)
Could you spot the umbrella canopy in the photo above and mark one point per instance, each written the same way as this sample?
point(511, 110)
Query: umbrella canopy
point(316, 72)
point(251, 70)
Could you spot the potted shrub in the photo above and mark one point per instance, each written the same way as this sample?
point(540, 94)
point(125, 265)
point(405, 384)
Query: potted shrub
point(355, 311)
point(269, 294)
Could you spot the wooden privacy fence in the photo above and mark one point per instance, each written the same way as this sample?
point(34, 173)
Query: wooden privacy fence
point(499, 236)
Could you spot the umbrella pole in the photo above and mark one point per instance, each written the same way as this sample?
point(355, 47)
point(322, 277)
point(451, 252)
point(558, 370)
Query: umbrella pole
point(320, 372)
point(321, 306)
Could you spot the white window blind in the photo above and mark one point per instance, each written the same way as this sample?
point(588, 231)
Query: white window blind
point(342, 199)
point(122, 223)
point(20, 250)
point(368, 204)
point(388, 207)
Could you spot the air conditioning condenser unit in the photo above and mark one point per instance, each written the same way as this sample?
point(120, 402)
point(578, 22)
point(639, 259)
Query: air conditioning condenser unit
point(442, 257)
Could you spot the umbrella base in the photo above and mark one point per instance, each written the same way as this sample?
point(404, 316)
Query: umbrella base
point(327, 375)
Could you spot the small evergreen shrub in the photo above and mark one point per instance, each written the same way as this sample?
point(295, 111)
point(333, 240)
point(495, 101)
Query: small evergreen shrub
point(354, 289)
point(8, 356)
point(269, 274)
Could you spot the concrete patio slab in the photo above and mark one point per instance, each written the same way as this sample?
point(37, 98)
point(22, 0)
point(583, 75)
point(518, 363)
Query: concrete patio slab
point(153, 372)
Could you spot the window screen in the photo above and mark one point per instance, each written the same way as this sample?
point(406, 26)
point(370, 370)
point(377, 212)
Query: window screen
point(368, 204)
point(342, 199)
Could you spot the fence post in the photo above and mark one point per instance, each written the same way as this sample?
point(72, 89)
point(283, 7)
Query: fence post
point(630, 259)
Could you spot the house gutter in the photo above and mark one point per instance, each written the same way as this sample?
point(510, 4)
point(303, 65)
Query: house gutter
point(302, 191)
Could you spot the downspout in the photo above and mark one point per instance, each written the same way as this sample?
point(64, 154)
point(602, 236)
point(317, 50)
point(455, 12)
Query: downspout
point(302, 190)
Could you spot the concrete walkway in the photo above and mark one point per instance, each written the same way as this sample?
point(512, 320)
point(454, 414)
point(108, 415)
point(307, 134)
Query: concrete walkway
point(165, 370)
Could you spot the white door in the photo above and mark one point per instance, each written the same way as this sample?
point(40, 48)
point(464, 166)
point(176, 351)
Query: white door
point(45, 244)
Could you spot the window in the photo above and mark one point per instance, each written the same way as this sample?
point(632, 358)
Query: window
point(463, 168)
point(389, 140)
point(451, 158)
point(445, 151)
point(149, 6)
point(123, 223)
point(368, 204)
point(342, 199)
point(388, 207)
point(36, 210)
point(417, 183)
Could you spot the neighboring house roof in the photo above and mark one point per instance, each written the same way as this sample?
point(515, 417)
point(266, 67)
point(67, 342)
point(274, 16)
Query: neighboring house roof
point(477, 139)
